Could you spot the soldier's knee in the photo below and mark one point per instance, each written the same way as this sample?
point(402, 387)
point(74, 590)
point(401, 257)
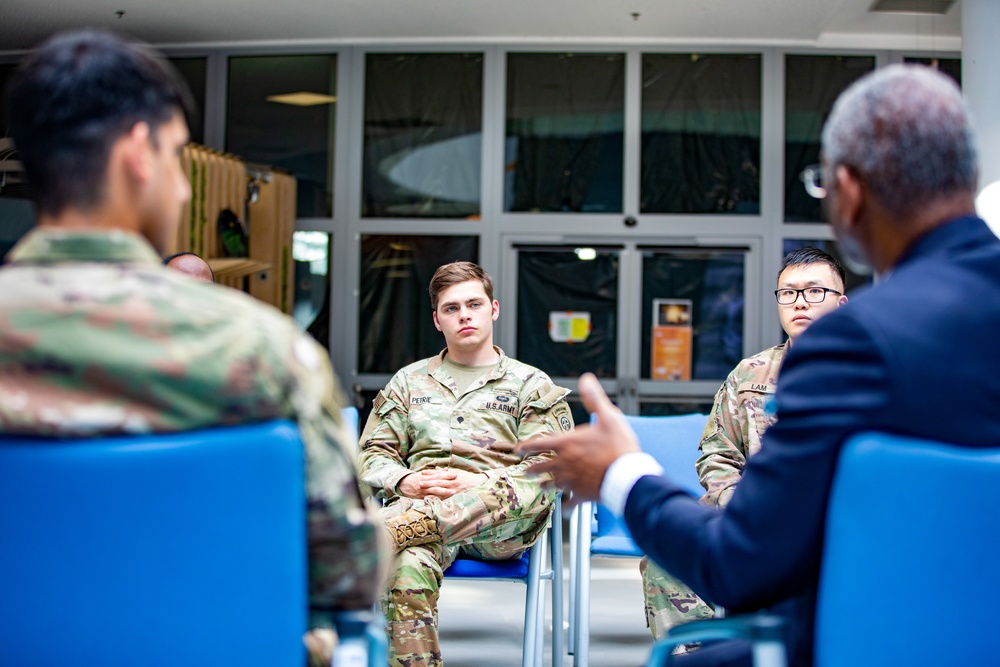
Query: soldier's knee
point(416, 568)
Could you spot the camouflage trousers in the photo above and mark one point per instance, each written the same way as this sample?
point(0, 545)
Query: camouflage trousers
point(668, 601)
point(495, 521)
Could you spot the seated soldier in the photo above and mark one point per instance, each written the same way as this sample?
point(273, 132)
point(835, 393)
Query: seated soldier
point(810, 284)
point(99, 338)
point(438, 447)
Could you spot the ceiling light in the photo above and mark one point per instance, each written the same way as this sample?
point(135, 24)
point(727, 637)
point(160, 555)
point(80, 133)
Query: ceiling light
point(585, 254)
point(302, 99)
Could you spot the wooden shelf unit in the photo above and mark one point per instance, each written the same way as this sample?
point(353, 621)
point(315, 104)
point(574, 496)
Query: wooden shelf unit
point(220, 181)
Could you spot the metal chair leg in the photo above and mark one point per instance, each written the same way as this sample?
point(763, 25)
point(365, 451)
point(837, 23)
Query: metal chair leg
point(557, 586)
point(531, 597)
point(581, 657)
point(571, 625)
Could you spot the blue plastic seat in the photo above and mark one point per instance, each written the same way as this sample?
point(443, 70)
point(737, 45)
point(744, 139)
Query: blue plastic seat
point(350, 415)
point(180, 549)
point(529, 569)
point(595, 531)
point(912, 523)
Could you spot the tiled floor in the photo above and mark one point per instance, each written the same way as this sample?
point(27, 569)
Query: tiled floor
point(481, 622)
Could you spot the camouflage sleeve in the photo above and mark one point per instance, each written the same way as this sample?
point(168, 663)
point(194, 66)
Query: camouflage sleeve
point(385, 442)
point(723, 457)
point(544, 412)
point(346, 558)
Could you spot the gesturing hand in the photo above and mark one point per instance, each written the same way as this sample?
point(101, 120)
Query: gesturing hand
point(584, 454)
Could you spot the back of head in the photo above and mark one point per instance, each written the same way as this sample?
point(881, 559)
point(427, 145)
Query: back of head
point(72, 99)
point(812, 255)
point(190, 264)
point(454, 273)
point(905, 129)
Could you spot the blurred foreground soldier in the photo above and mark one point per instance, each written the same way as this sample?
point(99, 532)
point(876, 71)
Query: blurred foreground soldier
point(916, 356)
point(810, 284)
point(190, 264)
point(98, 338)
point(439, 448)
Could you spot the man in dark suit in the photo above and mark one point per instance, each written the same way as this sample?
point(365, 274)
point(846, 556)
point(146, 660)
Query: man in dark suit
point(916, 355)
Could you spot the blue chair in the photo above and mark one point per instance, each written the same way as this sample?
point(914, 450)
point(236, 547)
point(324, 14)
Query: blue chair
point(529, 570)
point(595, 531)
point(908, 521)
point(181, 549)
point(350, 415)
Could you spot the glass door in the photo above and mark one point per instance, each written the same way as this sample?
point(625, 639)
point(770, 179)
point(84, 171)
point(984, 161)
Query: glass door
point(567, 318)
point(660, 325)
point(692, 327)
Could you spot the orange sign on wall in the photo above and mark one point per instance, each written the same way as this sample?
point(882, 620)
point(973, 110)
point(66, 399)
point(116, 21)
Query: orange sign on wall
point(671, 339)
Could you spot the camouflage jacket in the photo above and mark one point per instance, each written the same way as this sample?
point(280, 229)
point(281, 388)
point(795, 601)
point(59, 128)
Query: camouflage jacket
point(97, 338)
point(420, 421)
point(738, 420)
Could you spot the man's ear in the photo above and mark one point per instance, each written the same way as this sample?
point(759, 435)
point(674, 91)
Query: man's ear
point(137, 152)
point(434, 315)
point(496, 309)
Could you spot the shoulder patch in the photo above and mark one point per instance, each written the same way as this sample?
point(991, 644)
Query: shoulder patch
point(563, 417)
point(548, 396)
point(379, 400)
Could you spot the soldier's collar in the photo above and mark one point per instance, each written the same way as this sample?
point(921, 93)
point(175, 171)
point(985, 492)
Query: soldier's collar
point(47, 244)
point(436, 362)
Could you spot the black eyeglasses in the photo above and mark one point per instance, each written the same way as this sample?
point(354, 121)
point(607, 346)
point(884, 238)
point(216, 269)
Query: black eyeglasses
point(812, 179)
point(787, 297)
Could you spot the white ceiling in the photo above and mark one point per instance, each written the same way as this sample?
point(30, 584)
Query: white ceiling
point(823, 23)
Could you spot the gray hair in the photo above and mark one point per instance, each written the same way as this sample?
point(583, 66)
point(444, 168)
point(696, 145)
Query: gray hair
point(906, 130)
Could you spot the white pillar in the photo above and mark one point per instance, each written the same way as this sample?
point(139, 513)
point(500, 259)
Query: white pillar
point(981, 87)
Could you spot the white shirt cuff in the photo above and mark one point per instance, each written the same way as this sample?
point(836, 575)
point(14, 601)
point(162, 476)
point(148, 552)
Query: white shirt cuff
point(622, 475)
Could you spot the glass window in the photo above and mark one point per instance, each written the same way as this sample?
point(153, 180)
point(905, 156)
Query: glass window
point(853, 280)
point(281, 112)
point(565, 114)
point(192, 70)
point(812, 84)
point(423, 135)
point(395, 326)
point(950, 66)
point(697, 298)
point(700, 133)
point(311, 253)
point(6, 73)
point(567, 310)
point(17, 211)
point(17, 217)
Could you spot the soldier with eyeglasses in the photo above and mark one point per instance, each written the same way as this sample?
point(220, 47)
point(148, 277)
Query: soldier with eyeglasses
point(810, 285)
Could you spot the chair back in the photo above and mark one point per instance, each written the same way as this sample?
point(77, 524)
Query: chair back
point(673, 441)
point(909, 570)
point(180, 549)
point(350, 415)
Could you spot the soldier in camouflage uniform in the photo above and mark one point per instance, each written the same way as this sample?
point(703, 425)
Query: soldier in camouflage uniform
point(438, 448)
point(740, 416)
point(97, 338)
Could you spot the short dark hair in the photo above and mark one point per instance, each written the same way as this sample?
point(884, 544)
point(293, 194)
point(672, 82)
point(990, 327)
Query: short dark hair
point(170, 258)
point(811, 255)
point(72, 99)
point(455, 273)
